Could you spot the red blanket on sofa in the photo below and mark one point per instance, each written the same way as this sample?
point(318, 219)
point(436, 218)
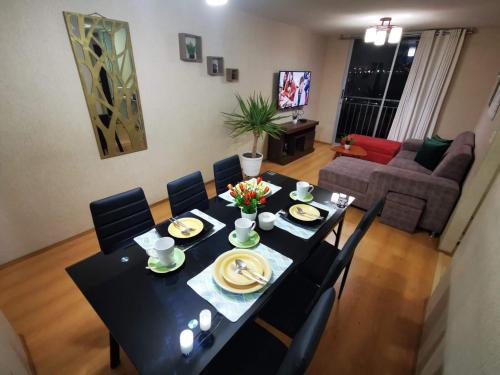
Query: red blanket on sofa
point(378, 150)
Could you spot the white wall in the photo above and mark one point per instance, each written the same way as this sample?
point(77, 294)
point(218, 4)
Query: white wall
point(462, 327)
point(49, 163)
point(335, 63)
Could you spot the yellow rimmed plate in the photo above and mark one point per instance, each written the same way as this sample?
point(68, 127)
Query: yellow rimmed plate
point(190, 222)
point(218, 272)
point(310, 212)
point(228, 267)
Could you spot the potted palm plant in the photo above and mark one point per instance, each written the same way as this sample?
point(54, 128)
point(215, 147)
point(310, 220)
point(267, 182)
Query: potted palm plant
point(258, 116)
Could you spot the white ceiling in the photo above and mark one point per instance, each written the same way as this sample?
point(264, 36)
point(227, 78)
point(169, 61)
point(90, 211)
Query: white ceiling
point(344, 16)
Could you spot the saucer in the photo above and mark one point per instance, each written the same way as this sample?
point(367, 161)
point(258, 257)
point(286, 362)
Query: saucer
point(308, 198)
point(178, 256)
point(253, 240)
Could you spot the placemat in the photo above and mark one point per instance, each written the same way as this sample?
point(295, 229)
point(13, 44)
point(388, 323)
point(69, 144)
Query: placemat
point(148, 239)
point(227, 197)
point(302, 231)
point(232, 305)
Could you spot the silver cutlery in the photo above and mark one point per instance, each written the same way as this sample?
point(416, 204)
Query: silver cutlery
point(185, 230)
point(304, 213)
point(242, 266)
point(248, 276)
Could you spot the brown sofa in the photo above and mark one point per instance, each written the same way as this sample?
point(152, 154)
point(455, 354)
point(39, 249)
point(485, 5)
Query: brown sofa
point(415, 196)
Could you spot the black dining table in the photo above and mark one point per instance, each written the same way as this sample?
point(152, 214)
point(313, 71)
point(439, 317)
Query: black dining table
point(145, 312)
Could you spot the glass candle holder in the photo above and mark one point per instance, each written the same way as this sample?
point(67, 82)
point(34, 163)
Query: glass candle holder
point(186, 341)
point(205, 320)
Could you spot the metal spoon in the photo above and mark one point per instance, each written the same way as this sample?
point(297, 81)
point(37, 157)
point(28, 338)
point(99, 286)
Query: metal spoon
point(242, 266)
point(304, 213)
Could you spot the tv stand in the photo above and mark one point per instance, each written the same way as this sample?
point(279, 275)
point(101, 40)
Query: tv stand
point(297, 141)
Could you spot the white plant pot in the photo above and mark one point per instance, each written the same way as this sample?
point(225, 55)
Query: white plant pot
point(249, 216)
point(295, 120)
point(347, 147)
point(251, 166)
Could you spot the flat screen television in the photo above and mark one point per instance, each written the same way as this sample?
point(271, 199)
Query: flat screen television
point(293, 88)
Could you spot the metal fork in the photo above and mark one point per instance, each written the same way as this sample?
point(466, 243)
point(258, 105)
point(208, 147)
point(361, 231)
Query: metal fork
point(186, 231)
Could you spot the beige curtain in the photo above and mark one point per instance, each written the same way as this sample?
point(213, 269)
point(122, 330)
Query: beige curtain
point(435, 60)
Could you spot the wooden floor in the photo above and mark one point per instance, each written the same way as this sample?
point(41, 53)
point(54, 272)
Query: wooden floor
point(374, 329)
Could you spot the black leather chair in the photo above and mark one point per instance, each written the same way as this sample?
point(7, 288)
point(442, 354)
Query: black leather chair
point(291, 303)
point(227, 171)
point(317, 265)
point(121, 217)
point(187, 193)
point(254, 350)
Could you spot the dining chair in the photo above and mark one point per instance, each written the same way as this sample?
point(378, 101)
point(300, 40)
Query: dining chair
point(227, 171)
point(290, 305)
point(119, 218)
point(187, 193)
point(253, 350)
point(318, 263)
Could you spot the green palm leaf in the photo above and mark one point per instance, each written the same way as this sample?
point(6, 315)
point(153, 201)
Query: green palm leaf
point(256, 115)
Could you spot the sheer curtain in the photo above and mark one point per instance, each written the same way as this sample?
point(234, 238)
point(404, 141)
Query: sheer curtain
point(430, 74)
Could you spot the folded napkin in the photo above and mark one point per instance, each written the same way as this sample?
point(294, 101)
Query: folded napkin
point(227, 197)
point(232, 305)
point(148, 239)
point(302, 231)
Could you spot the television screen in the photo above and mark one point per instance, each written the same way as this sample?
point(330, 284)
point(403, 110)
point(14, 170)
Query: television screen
point(293, 89)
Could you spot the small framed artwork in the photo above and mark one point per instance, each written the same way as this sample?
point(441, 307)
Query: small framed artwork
point(232, 75)
point(190, 47)
point(494, 102)
point(215, 65)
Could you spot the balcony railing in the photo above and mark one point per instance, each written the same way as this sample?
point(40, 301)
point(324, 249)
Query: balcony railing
point(366, 116)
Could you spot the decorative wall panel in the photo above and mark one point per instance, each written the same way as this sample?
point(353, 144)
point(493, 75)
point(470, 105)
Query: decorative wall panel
point(103, 55)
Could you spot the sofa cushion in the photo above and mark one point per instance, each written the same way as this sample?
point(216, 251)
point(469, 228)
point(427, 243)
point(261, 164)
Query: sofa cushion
point(431, 153)
point(455, 164)
point(408, 164)
point(348, 172)
point(406, 154)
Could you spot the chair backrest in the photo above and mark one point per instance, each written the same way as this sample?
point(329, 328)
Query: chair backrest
point(187, 193)
point(306, 341)
point(121, 217)
point(370, 215)
point(227, 171)
point(341, 260)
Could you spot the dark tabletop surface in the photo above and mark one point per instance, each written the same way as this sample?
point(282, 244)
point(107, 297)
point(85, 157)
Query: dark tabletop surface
point(145, 312)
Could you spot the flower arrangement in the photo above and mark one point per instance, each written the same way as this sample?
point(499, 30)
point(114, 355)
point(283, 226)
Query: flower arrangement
point(249, 195)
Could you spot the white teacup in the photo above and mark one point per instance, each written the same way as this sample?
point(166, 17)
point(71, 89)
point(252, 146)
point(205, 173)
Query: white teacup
point(243, 228)
point(303, 188)
point(163, 250)
point(266, 220)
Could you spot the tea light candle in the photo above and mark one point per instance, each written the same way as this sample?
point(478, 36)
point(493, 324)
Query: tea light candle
point(205, 320)
point(186, 341)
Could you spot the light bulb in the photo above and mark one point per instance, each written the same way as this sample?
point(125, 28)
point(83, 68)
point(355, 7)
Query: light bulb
point(216, 3)
point(380, 37)
point(395, 34)
point(370, 34)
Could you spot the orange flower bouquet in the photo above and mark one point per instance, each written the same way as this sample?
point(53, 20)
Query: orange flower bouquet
point(249, 195)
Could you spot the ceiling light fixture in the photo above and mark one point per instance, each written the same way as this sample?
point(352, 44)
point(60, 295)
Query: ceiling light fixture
point(378, 34)
point(216, 3)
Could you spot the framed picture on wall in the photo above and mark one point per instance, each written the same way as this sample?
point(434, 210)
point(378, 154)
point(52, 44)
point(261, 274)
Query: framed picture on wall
point(494, 102)
point(190, 47)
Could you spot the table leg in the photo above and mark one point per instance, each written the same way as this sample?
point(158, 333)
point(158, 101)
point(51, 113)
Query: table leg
point(344, 278)
point(339, 232)
point(114, 352)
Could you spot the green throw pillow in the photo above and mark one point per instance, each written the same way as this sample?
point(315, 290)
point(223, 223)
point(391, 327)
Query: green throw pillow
point(442, 140)
point(431, 153)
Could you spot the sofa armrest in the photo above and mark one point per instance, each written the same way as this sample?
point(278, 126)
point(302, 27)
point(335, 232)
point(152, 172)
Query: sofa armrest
point(412, 144)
